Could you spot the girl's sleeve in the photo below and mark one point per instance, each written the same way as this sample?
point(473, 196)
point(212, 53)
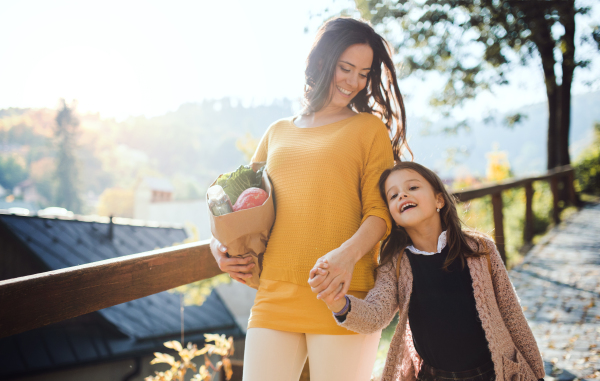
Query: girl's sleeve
point(512, 314)
point(377, 309)
point(380, 157)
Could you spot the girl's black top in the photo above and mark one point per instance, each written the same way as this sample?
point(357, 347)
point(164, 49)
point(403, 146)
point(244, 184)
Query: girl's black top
point(445, 325)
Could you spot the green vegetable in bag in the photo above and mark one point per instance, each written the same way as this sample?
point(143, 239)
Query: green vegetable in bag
point(234, 183)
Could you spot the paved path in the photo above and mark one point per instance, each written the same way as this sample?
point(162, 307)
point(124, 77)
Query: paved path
point(559, 287)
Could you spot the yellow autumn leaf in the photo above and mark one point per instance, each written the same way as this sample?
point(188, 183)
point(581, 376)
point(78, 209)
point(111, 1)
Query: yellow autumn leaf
point(203, 374)
point(174, 344)
point(185, 355)
point(228, 368)
point(212, 336)
point(163, 358)
point(199, 352)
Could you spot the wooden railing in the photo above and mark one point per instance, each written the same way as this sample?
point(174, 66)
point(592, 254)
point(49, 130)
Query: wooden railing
point(553, 176)
point(37, 300)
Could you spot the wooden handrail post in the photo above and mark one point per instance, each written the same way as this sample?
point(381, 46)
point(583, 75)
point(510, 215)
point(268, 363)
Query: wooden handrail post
point(498, 224)
point(573, 197)
point(555, 199)
point(528, 230)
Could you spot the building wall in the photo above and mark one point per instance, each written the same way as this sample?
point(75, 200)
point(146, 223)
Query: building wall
point(194, 212)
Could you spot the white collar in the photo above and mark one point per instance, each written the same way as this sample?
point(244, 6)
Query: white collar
point(440, 246)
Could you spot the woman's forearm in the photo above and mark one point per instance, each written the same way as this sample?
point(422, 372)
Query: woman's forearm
point(366, 237)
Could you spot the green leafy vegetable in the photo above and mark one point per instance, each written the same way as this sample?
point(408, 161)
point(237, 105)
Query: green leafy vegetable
point(234, 183)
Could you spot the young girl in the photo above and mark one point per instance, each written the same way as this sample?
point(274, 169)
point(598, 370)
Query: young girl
point(459, 315)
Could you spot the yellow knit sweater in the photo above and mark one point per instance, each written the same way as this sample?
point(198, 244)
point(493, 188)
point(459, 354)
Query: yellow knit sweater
point(325, 185)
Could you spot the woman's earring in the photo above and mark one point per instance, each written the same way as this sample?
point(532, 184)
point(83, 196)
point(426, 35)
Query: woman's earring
point(438, 210)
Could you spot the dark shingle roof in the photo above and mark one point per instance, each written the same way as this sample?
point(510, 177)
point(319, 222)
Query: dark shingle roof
point(138, 326)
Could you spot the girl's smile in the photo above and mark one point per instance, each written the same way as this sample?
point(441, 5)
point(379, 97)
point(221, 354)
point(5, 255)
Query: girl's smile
point(406, 206)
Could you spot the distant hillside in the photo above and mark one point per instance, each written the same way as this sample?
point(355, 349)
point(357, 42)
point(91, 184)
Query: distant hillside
point(525, 142)
point(195, 143)
point(199, 139)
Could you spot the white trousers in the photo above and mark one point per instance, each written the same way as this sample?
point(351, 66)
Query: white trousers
point(272, 355)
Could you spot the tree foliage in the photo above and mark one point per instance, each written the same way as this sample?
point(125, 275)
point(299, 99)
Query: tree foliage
point(12, 172)
point(222, 347)
point(587, 166)
point(475, 43)
point(67, 171)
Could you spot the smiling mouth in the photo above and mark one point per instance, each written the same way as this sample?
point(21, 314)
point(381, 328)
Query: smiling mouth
point(405, 207)
point(344, 91)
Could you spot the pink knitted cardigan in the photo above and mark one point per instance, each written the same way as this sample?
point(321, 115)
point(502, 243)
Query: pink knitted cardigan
point(514, 350)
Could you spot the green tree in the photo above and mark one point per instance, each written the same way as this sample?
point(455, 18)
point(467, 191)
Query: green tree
point(67, 172)
point(587, 166)
point(475, 43)
point(12, 172)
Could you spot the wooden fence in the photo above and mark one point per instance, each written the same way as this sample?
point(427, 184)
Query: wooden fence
point(37, 300)
point(554, 177)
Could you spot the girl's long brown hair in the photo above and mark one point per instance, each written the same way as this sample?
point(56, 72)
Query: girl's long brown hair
point(457, 237)
point(381, 96)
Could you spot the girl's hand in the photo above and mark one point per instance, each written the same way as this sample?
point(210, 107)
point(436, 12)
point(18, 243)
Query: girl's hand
point(236, 267)
point(318, 273)
point(340, 264)
point(335, 305)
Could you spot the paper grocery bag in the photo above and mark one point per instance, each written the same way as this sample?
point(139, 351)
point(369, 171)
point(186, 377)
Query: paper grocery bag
point(246, 232)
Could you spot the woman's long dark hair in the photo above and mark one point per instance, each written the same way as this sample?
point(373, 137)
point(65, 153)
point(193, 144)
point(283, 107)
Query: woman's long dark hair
point(381, 96)
point(457, 237)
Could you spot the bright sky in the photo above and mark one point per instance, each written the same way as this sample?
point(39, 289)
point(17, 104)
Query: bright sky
point(124, 58)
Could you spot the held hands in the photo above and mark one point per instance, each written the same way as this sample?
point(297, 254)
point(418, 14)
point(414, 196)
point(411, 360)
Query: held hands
point(318, 274)
point(236, 267)
point(331, 276)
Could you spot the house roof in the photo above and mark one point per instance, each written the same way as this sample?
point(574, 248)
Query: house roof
point(139, 325)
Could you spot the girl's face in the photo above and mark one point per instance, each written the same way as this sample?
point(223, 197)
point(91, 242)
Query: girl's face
point(411, 199)
point(350, 74)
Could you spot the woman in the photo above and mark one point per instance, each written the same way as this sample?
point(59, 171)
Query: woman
point(324, 166)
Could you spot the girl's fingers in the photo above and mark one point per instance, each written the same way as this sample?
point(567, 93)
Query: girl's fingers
point(330, 287)
point(316, 273)
point(222, 248)
point(331, 298)
point(316, 280)
point(343, 291)
point(323, 286)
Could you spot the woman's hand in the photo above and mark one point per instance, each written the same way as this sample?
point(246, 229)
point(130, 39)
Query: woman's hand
point(236, 267)
point(317, 276)
point(339, 264)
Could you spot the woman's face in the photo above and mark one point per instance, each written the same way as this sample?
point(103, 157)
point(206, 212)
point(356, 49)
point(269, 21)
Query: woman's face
point(350, 75)
point(411, 199)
